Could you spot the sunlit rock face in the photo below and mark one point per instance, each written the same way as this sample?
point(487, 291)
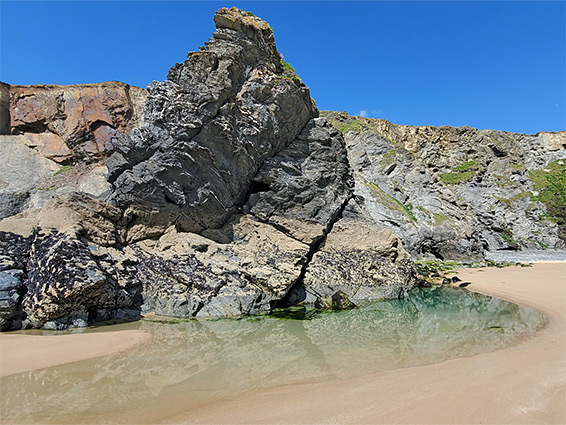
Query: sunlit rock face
point(75, 122)
point(230, 198)
point(454, 193)
point(209, 128)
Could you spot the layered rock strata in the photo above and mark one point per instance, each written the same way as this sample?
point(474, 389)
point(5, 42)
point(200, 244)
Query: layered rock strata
point(209, 128)
point(453, 193)
point(225, 202)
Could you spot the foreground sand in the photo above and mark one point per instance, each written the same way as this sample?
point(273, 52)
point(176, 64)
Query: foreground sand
point(21, 353)
point(522, 384)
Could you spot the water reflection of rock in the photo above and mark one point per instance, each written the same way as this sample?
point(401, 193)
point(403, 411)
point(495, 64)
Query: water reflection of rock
point(195, 360)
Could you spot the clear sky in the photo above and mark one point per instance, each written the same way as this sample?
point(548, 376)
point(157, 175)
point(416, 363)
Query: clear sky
point(498, 65)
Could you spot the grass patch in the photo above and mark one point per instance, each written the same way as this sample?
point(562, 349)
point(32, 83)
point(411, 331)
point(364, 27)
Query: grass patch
point(461, 173)
point(509, 201)
point(289, 72)
point(388, 158)
point(439, 218)
point(452, 178)
point(62, 170)
point(354, 125)
point(466, 166)
point(550, 184)
point(507, 236)
point(391, 202)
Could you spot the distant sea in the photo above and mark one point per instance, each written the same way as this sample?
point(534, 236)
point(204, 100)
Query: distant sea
point(526, 256)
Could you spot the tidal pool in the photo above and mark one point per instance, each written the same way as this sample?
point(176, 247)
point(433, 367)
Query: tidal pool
point(193, 363)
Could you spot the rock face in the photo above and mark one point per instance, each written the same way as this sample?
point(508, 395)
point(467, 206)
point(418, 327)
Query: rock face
point(357, 264)
point(29, 180)
point(77, 122)
point(232, 198)
point(4, 109)
point(61, 135)
point(208, 129)
point(15, 185)
point(454, 192)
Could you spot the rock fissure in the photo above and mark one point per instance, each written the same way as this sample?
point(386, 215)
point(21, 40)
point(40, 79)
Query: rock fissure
point(313, 249)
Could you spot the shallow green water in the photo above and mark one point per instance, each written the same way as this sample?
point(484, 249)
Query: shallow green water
point(195, 362)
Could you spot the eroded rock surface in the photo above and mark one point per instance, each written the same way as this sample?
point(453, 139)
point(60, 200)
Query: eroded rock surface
point(76, 122)
point(227, 200)
point(453, 193)
point(208, 129)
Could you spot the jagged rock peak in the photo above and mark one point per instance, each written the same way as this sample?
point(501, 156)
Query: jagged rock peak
point(241, 21)
point(209, 128)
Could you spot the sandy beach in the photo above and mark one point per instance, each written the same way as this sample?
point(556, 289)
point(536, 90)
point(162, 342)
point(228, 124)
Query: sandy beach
point(21, 353)
point(520, 384)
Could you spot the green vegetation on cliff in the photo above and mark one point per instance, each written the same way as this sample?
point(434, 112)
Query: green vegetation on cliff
point(451, 178)
point(460, 173)
point(550, 187)
point(391, 202)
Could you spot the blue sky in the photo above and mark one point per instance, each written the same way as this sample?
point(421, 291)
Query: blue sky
point(499, 65)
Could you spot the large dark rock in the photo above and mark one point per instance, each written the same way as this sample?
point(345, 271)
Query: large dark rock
point(231, 198)
point(56, 280)
point(13, 258)
point(209, 127)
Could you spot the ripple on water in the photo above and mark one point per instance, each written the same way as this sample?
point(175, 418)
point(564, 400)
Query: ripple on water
point(193, 362)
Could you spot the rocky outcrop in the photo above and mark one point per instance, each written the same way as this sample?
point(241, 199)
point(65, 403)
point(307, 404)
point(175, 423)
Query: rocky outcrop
point(455, 192)
point(231, 197)
point(77, 122)
point(209, 127)
point(29, 180)
point(358, 263)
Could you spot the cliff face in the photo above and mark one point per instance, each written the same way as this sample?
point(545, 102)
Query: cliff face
point(54, 139)
point(232, 198)
point(455, 192)
point(75, 123)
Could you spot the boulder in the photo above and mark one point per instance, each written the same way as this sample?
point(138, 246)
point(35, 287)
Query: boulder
point(358, 263)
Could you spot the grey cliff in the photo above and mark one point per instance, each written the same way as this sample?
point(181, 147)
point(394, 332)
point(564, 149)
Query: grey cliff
point(455, 193)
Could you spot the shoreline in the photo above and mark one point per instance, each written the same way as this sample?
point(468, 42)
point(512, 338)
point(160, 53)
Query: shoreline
point(525, 383)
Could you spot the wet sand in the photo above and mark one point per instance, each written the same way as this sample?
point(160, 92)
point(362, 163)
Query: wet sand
point(520, 384)
point(22, 353)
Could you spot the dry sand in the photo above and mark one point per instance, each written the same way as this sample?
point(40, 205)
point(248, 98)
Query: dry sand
point(21, 353)
point(521, 384)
